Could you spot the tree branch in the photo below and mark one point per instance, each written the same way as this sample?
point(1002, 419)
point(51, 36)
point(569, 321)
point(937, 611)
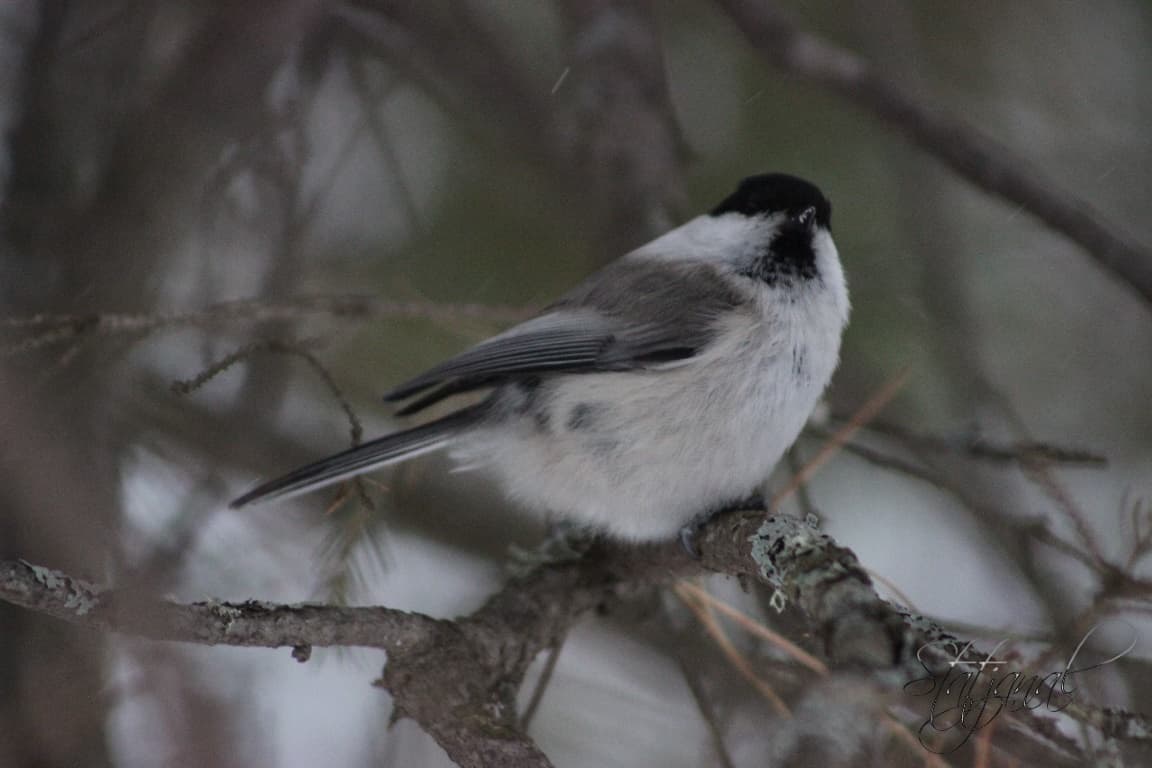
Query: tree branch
point(614, 121)
point(459, 679)
point(41, 330)
point(251, 623)
point(977, 447)
point(978, 158)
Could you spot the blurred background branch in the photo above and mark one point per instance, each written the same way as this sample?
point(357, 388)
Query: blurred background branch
point(396, 180)
point(988, 164)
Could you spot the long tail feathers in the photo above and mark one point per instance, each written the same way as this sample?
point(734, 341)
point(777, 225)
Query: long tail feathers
point(363, 458)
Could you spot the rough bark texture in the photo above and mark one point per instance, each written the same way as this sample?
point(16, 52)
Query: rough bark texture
point(459, 679)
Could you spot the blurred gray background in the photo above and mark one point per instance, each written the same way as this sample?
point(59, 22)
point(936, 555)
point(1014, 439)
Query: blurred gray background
point(456, 162)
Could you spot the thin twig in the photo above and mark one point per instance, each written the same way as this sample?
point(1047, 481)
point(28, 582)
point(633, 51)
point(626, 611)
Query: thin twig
point(707, 712)
point(382, 138)
point(541, 684)
point(45, 329)
point(755, 627)
point(893, 588)
point(304, 217)
point(983, 747)
point(1040, 531)
point(1141, 533)
point(803, 496)
point(704, 614)
point(47, 338)
point(884, 460)
point(980, 448)
point(1046, 481)
point(296, 349)
point(863, 415)
point(905, 737)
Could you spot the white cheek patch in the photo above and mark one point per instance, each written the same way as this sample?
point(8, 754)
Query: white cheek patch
point(726, 239)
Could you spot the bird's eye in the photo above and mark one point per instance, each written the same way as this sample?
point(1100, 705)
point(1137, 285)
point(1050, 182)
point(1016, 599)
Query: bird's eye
point(807, 217)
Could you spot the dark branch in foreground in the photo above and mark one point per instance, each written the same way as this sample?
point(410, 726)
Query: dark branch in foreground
point(975, 156)
point(459, 679)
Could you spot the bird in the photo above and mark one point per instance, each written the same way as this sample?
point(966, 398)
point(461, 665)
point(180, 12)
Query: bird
point(659, 391)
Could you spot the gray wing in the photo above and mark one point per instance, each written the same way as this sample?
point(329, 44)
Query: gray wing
point(634, 313)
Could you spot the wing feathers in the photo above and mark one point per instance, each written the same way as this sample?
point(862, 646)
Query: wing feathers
point(515, 355)
point(635, 313)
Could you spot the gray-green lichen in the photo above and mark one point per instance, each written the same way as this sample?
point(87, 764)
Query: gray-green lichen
point(782, 543)
point(779, 538)
point(227, 613)
point(79, 596)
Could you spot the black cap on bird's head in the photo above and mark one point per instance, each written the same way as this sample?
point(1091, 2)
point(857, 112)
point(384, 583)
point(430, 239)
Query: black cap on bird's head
point(771, 193)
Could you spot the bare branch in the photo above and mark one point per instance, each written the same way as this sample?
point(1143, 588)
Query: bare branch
point(978, 158)
point(295, 349)
point(370, 103)
point(250, 623)
point(1015, 452)
point(836, 441)
point(707, 711)
point(541, 685)
point(47, 329)
point(614, 121)
point(611, 129)
point(456, 61)
point(459, 679)
point(735, 657)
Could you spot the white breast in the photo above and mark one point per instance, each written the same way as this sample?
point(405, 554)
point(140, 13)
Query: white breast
point(640, 454)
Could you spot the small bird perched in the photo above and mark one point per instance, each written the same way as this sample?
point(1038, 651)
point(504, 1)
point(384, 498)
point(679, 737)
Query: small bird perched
point(663, 388)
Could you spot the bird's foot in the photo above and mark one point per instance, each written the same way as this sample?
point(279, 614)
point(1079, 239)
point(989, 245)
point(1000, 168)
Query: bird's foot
point(692, 528)
point(564, 543)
